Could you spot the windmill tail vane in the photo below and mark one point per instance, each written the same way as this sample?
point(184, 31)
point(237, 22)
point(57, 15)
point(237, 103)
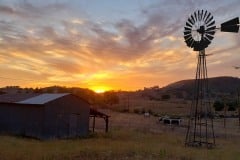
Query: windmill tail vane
point(198, 32)
point(231, 25)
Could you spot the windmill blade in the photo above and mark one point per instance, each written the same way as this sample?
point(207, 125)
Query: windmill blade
point(187, 32)
point(211, 29)
point(188, 25)
point(207, 17)
point(190, 21)
point(209, 20)
point(210, 32)
point(210, 37)
point(186, 37)
point(231, 25)
point(195, 15)
point(206, 41)
point(197, 47)
point(205, 14)
point(210, 24)
point(193, 19)
point(187, 29)
point(194, 44)
point(201, 17)
point(189, 42)
point(191, 45)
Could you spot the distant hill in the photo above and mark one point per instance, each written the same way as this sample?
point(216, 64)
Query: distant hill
point(178, 90)
point(228, 85)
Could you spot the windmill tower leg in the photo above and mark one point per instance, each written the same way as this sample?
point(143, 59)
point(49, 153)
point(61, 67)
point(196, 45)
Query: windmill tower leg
point(200, 130)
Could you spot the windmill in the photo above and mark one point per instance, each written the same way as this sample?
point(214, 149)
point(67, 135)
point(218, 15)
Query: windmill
point(198, 33)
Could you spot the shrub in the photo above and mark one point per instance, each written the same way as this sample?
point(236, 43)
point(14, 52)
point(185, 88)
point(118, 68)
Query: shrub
point(143, 110)
point(150, 111)
point(231, 108)
point(124, 110)
point(218, 105)
point(166, 97)
point(136, 110)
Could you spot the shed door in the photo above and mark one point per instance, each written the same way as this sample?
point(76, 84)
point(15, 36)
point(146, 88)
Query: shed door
point(73, 125)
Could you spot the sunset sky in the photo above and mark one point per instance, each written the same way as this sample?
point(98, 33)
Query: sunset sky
point(108, 44)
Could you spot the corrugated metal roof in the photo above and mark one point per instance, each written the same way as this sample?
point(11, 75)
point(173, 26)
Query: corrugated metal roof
point(43, 98)
point(16, 97)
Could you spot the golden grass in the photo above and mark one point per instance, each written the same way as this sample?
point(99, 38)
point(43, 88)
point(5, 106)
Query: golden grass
point(118, 144)
point(170, 107)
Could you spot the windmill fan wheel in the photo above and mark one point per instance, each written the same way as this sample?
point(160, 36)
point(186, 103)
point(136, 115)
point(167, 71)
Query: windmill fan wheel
point(199, 30)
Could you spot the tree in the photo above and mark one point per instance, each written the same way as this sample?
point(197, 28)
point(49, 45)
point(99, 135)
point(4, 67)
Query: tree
point(232, 105)
point(111, 98)
point(218, 105)
point(166, 97)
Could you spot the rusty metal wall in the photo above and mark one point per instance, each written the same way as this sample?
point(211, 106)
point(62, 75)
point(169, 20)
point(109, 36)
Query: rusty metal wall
point(26, 120)
point(66, 117)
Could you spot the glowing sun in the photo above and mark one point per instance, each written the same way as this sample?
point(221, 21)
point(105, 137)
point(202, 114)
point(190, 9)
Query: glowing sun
point(100, 89)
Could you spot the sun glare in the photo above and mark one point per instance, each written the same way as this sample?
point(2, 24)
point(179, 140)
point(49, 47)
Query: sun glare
point(100, 89)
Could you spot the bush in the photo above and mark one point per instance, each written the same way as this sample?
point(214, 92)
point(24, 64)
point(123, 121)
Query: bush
point(124, 110)
point(231, 108)
point(232, 105)
point(136, 110)
point(155, 114)
point(143, 110)
point(150, 111)
point(218, 105)
point(166, 97)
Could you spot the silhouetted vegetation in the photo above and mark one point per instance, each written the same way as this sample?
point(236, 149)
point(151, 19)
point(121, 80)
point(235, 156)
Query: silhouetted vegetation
point(232, 105)
point(136, 110)
point(87, 94)
point(110, 98)
point(218, 105)
point(166, 97)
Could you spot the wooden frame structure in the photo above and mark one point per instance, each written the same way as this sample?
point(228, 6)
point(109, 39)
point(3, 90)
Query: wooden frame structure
point(94, 113)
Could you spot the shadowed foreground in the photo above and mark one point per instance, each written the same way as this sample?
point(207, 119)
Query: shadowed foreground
point(118, 144)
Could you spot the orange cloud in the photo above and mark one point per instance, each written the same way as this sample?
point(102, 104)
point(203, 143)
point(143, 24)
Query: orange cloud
point(50, 46)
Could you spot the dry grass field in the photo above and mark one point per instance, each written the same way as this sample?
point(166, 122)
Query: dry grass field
point(171, 107)
point(131, 137)
point(119, 144)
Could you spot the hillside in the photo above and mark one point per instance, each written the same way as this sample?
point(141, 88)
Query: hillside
point(226, 85)
point(184, 88)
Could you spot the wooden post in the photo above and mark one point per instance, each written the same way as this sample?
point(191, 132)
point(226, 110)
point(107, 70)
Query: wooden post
point(106, 121)
point(93, 129)
point(225, 110)
point(238, 103)
point(238, 116)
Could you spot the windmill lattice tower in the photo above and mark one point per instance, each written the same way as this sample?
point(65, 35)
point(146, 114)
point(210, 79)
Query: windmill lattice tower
point(198, 34)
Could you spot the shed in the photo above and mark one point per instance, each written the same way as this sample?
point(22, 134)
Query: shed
point(94, 113)
point(46, 116)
